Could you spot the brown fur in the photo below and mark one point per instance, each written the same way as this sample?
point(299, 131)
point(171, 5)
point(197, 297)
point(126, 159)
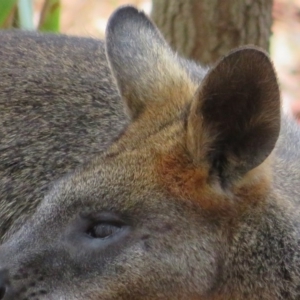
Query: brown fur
point(188, 182)
point(194, 200)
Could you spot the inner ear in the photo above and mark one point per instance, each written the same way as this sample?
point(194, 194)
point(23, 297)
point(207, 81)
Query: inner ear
point(234, 120)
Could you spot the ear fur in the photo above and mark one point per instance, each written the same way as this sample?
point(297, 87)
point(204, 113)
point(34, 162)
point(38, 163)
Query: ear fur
point(145, 68)
point(234, 120)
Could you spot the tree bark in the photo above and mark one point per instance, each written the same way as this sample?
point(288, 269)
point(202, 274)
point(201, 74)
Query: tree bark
point(204, 30)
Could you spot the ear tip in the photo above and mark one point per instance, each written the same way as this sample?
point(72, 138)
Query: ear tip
point(250, 52)
point(124, 11)
point(122, 15)
point(252, 59)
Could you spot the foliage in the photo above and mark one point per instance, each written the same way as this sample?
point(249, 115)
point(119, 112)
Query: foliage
point(19, 14)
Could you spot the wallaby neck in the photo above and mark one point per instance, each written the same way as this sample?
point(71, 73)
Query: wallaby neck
point(263, 261)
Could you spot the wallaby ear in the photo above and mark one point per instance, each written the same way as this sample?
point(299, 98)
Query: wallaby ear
point(234, 120)
point(145, 68)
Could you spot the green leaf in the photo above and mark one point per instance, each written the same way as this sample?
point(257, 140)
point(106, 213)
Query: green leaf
point(50, 16)
point(6, 8)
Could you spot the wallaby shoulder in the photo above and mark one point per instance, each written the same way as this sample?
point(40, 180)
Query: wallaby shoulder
point(58, 107)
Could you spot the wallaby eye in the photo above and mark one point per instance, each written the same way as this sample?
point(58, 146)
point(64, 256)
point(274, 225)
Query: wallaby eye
point(104, 230)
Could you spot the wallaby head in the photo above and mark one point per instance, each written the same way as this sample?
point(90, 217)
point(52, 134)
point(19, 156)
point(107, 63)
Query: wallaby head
point(155, 216)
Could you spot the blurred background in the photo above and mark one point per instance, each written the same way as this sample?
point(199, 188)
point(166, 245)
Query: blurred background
point(89, 18)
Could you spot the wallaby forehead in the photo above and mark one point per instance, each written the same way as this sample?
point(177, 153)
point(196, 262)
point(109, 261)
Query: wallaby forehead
point(108, 183)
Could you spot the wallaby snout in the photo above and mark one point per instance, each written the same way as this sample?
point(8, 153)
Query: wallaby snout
point(4, 283)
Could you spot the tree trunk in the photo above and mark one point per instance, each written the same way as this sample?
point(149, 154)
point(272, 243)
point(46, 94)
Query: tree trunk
point(204, 30)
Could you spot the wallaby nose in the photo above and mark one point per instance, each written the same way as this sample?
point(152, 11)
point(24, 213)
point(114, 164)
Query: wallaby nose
point(3, 283)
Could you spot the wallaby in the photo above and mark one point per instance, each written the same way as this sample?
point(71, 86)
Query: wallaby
point(196, 199)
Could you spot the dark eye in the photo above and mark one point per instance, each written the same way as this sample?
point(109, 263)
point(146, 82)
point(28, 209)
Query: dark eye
point(104, 230)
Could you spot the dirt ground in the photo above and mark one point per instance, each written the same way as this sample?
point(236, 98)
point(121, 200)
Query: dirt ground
point(89, 18)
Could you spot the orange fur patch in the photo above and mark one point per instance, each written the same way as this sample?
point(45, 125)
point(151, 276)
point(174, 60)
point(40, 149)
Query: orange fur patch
point(186, 181)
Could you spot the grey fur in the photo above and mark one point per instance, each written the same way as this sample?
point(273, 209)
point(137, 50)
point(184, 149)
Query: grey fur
point(58, 105)
point(173, 229)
